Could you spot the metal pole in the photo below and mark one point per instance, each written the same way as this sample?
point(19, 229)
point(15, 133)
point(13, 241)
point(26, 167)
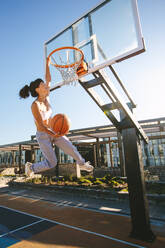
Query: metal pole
point(110, 152)
point(98, 152)
point(137, 195)
point(20, 158)
point(121, 154)
point(95, 156)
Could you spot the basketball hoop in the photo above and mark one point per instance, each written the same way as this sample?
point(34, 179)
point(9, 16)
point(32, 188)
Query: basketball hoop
point(67, 60)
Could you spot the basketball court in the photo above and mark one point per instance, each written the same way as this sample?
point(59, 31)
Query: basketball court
point(28, 221)
point(34, 222)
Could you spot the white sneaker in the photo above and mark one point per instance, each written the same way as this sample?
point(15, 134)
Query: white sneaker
point(28, 169)
point(86, 167)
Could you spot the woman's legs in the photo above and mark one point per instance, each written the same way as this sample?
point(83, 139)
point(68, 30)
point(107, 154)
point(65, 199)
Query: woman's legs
point(46, 148)
point(66, 145)
point(45, 143)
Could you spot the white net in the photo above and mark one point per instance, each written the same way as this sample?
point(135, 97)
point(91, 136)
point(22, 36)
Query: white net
point(69, 74)
point(67, 61)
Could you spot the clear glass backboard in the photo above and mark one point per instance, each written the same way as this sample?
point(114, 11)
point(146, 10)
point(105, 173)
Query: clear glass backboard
point(107, 34)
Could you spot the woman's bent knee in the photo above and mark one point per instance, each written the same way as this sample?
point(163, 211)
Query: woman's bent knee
point(52, 164)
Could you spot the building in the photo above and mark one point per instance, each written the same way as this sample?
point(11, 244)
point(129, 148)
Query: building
point(100, 145)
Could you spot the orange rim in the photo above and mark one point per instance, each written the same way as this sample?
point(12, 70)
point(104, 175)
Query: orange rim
point(70, 65)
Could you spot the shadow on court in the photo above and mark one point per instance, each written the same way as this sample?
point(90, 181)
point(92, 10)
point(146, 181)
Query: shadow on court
point(28, 222)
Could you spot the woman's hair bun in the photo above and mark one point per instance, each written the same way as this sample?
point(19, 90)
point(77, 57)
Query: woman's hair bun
point(31, 89)
point(24, 92)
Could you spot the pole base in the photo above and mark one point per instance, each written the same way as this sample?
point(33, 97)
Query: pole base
point(145, 235)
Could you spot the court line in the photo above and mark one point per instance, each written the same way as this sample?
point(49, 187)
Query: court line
point(20, 228)
point(111, 212)
point(154, 221)
point(15, 198)
point(75, 206)
point(77, 228)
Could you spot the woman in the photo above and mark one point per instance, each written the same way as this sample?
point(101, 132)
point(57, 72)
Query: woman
point(42, 112)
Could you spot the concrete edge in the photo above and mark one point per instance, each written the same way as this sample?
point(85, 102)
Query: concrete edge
point(94, 193)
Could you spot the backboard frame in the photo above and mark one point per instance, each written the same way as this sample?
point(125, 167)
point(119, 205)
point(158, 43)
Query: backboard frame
point(133, 52)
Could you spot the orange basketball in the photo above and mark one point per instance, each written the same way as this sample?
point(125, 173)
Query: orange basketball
point(60, 124)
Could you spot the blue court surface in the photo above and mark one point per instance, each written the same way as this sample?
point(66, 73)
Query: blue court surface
point(16, 226)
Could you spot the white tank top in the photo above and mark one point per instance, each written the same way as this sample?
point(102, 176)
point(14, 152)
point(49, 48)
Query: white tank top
point(44, 111)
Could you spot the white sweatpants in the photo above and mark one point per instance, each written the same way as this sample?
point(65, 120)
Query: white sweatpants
point(45, 142)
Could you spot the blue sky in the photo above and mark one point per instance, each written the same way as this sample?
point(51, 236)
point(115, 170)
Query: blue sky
point(26, 24)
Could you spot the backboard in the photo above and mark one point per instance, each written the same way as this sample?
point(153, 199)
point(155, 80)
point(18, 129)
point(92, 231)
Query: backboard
point(107, 34)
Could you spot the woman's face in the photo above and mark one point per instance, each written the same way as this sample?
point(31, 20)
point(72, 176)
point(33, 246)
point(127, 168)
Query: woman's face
point(43, 89)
